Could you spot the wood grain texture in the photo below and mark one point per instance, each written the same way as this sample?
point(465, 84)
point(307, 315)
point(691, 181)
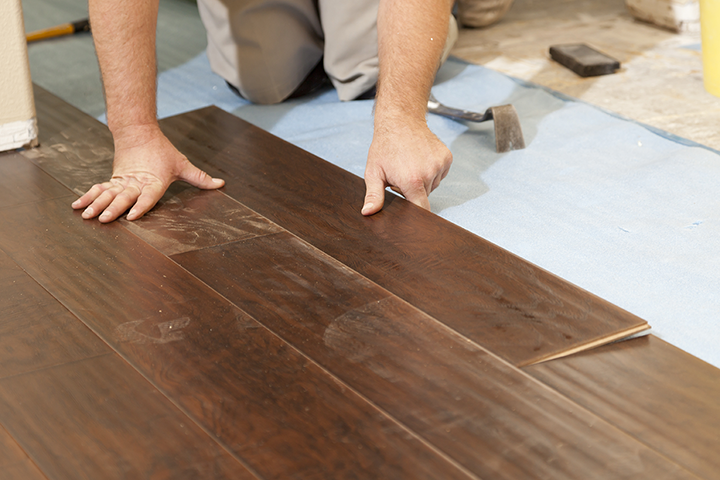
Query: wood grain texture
point(265, 402)
point(14, 463)
point(22, 182)
point(513, 308)
point(189, 219)
point(655, 392)
point(487, 415)
point(77, 151)
point(36, 331)
point(98, 418)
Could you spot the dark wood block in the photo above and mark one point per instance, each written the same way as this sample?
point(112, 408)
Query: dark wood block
point(583, 60)
point(98, 418)
point(265, 402)
point(36, 331)
point(511, 307)
point(23, 182)
point(664, 397)
point(484, 413)
point(14, 463)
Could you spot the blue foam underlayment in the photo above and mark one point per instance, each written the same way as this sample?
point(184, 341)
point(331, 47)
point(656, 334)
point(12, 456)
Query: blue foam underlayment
point(603, 202)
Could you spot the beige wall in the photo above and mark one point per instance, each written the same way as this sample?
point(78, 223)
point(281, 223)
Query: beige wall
point(17, 109)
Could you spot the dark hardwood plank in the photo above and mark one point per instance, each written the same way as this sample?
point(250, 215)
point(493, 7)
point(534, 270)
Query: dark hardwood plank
point(14, 463)
point(487, 415)
point(36, 331)
point(39, 335)
point(265, 402)
point(98, 418)
point(187, 219)
point(40, 185)
point(655, 392)
point(513, 308)
point(77, 150)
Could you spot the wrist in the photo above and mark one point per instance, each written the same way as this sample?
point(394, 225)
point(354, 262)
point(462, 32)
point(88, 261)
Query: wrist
point(134, 135)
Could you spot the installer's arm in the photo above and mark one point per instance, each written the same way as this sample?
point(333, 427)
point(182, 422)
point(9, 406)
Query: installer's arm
point(145, 163)
point(404, 153)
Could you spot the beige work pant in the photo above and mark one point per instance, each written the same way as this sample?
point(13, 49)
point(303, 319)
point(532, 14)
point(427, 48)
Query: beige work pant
point(266, 48)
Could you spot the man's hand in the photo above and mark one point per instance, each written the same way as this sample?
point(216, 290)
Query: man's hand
point(408, 158)
point(144, 167)
point(405, 155)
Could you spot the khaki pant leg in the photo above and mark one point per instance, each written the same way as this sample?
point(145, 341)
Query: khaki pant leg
point(264, 48)
point(351, 44)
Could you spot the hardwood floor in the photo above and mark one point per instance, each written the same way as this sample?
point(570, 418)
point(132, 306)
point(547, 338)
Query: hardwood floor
point(653, 391)
point(513, 308)
point(269, 331)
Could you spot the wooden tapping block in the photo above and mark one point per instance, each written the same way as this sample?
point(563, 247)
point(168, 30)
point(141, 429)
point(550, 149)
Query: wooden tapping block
point(584, 60)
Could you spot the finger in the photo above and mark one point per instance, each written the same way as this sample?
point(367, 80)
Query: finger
point(101, 202)
point(145, 202)
point(436, 182)
point(374, 194)
point(197, 178)
point(90, 196)
point(122, 201)
point(418, 195)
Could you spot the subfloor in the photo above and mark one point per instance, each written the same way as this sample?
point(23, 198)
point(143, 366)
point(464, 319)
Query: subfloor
point(660, 80)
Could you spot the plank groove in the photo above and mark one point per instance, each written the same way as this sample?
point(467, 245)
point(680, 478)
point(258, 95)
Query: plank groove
point(37, 332)
point(657, 393)
point(515, 309)
point(484, 413)
point(14, 463)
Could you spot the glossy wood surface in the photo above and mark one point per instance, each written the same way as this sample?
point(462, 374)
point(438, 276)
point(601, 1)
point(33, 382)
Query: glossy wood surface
point(14, 463)
point(62, 388)
point(280, 357)
point(36, 185)
point(267, 404)
point(98, 418)
point(655, 392)
point(472, 405)
point(36, 331)
point(516, 310)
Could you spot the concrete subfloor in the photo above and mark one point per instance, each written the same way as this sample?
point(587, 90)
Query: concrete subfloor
point(660, 81)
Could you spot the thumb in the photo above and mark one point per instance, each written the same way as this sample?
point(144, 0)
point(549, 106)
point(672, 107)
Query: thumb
point(374, 194)
point(197, 178)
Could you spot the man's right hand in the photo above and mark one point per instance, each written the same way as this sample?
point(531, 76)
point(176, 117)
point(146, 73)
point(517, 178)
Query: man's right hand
point(145, 165)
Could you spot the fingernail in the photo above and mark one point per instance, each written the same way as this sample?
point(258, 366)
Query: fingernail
point(217, 180)
point(105, 216)
point(76, 202)
point(131, 213)
point(367, 207)
point(88, 212)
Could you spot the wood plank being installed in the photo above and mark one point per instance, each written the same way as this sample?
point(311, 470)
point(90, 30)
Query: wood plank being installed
point(655, 392)
point(513, 308)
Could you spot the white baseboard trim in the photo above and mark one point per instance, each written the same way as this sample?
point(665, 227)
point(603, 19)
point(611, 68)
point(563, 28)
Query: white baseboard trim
point(18, 134)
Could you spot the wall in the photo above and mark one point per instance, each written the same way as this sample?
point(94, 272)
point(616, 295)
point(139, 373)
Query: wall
point(18, 126)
